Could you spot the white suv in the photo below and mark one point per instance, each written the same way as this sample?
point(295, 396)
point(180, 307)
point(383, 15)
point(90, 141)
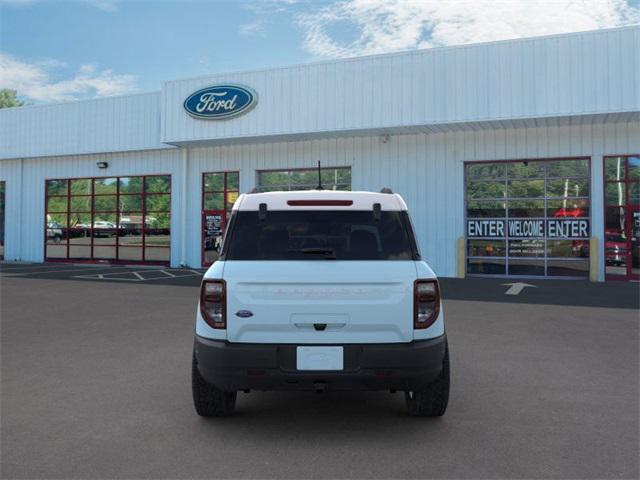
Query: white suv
point(320, 290)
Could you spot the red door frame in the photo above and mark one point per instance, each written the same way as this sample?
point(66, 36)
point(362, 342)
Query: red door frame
point(222, 212)
point(628, 211)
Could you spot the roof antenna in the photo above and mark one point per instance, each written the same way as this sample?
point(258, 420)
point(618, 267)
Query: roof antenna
point(319, 187)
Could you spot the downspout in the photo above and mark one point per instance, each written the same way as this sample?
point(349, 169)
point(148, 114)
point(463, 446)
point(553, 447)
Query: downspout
point(20, 248)
point(184, 209)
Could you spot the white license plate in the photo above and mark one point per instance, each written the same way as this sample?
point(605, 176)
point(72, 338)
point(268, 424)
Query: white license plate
point(320, 358)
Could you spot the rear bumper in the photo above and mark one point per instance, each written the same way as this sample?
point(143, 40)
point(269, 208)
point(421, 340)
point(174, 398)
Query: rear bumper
point(393, 366)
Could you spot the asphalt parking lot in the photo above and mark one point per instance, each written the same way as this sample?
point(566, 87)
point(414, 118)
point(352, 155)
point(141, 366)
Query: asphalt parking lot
point(96, 384)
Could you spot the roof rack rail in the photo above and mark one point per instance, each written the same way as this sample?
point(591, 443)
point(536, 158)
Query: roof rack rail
point(386, 190)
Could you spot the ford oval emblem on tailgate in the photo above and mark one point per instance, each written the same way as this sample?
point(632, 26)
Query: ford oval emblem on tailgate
point(244, 314)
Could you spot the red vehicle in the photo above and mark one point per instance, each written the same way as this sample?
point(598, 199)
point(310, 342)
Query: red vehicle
point(569, 212)
point(615, 247)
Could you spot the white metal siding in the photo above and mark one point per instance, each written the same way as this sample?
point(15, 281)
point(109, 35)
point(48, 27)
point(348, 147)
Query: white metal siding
point(426, 169)
point(112, 124)
point(26, 203)
point(11, 174)
point(557, 76)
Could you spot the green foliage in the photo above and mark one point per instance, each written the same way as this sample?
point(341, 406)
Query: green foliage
point(8, 98)
point(332, 179)
point(158, 203)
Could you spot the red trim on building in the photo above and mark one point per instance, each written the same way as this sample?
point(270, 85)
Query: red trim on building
point(117, 215)
point(629, 209)
point(226, 206)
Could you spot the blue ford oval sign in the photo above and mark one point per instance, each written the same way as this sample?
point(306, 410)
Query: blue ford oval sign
point(220, 101)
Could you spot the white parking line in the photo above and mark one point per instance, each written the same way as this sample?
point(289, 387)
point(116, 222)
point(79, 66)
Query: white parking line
point(138, 277)
point(62, 270)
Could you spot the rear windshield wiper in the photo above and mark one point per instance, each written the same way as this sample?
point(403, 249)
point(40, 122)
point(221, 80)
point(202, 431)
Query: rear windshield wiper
point(329, 253)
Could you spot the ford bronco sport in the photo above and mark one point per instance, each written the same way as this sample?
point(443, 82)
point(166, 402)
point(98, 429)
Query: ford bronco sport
point(320, 290)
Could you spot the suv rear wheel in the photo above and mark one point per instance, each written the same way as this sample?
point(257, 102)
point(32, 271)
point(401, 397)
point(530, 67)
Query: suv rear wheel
point(209, 400)
point(432, 400)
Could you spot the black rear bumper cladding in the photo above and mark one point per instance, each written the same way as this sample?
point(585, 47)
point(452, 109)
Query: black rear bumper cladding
point(393, 366)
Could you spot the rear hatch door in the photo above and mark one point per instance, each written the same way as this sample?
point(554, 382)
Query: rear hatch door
point(320, 302)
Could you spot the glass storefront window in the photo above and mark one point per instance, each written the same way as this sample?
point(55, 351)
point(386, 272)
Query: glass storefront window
point(486, 190)
point(104, 186)
point(633, 165)
point(568, 248)
point(157, 202)
point(214, 182)
point(130, 203)
point(56, 250)
point(525, 169)
point(486, 248)
point(526, 267)
point(525, 188)
point(105, 218)
point(525, 208)
point(81, 204)
point(530, 214)
point(615, 193)
point(157, 184)
point(105, 203)
point(338, 178)
point(486, 171)
point(57, 187)
point(81, 186)
point(614, 168)
point(569, 187)
point(214, 201)
point(57, 204)
point(622, 217)
point(561, 268)
point(568, 168)
point(526, 248)
point(486, 209)
point(486, 266)
point(130, 184)
point(574, 207)
point(220, 190)
point(634, 193)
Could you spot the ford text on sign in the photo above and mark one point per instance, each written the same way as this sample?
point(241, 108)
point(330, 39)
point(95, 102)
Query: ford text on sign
point(524, 228)
point(220, 101)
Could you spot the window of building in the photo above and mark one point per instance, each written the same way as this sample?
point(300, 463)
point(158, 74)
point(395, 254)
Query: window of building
point(219, 192)
point(333, 178)
point(528, 218)
point(2, 187)
point(622, 217)
point(116, 219)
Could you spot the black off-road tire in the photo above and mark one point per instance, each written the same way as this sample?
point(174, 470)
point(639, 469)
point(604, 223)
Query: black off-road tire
point(209, 400)
point(432, 400)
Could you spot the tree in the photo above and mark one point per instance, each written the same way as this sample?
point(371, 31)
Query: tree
point(8, 98)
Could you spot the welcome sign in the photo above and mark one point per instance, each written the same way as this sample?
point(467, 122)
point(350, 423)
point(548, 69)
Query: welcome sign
point(528, 228)
point(220, 102)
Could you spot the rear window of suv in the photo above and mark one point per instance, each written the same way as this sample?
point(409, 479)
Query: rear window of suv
point(319, 235)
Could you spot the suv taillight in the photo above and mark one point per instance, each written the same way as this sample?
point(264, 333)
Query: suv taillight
point(213, 303)
point(426, 303)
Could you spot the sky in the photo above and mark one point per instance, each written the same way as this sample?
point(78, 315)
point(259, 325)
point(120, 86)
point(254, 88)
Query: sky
point(54, 50)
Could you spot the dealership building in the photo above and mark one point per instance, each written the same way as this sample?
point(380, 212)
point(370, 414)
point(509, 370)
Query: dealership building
point(517, 158)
